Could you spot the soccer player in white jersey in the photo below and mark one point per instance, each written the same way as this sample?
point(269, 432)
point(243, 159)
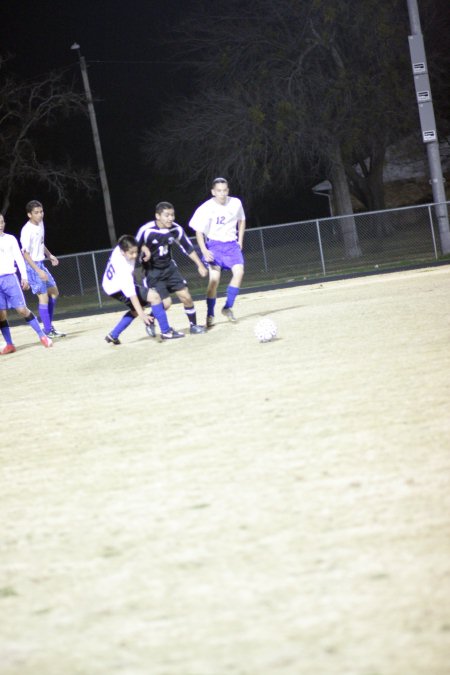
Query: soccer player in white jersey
point(220, 226)
point(11, 293)
point(118, 282)
point(41, 281)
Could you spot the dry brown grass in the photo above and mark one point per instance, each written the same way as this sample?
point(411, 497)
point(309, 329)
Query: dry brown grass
point(217, 506)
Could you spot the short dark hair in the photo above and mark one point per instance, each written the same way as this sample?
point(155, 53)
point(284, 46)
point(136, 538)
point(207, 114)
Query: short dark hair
point(162, 206)
point(126, 241)
point(219, 179)
point(33, 204)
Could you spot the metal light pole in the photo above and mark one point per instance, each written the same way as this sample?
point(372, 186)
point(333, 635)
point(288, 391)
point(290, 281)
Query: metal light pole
point(98, 147)
point(427, 121)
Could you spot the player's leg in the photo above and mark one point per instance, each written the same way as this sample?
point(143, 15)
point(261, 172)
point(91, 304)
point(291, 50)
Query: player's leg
point(125, 321)
point(6, 333)
point(53, 293)
point(185, 297)
point(233, 290)
point(159, 312)
point(211, 293)
point(43, 311)
point(32, 321)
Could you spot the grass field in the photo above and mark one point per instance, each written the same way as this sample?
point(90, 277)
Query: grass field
point(216, 506)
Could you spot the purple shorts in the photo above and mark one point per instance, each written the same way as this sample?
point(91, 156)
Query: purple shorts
point(11, 295)
point(226, 253)
point(36, 284)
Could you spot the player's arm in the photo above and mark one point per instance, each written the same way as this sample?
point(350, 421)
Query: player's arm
point(53, 259)
point(193, 255)
point(144, 253)
point(19, 260)
point(241, 232)
point(208, 256)
point(41, 274)
point(138, 309)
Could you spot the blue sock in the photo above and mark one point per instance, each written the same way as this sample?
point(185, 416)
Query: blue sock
point(160, 315)
point(232, 293)
point(51, 307)
point(210, 304)
point(4, 327)
point(45, 317)
point(123, 323)
point(34, 323)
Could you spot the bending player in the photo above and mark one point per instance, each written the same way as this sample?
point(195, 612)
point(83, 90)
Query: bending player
point(118, 282)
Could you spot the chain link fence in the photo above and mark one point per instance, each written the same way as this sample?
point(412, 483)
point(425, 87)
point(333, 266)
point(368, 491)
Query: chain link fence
point(284, 254)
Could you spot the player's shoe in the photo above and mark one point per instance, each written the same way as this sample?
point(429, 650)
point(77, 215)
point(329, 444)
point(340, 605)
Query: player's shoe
point(53, 333)
point(172, 335)
point(196, 330)
point(150, 328)
point(226, 311)
point(46, 341)
point(112, 340)
point(209, 321)
point(8, 349)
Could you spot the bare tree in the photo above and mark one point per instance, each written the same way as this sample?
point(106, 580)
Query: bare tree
point(285, 89)
point(28, 109)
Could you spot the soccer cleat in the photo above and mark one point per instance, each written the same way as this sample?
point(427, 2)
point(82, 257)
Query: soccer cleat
point(53, 333)
point(46, 341)
point(115, 341)
point(8, 349)
point(226, 311)
point(172, 335)
point(209, 321)
point(196, 330)
point(150, 328)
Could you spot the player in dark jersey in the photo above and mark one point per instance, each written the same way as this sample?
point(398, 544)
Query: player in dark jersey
point(161, 276)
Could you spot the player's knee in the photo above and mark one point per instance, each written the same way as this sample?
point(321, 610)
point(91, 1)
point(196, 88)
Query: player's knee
point(153, 298)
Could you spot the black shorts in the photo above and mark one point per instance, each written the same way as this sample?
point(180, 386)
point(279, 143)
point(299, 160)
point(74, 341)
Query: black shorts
point(165, 281)
point(126, 301)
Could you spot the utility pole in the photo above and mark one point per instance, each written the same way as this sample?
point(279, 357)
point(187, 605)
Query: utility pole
point(98, 147)
point(428, 122)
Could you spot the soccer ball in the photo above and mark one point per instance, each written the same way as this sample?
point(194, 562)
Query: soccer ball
point(265, 330)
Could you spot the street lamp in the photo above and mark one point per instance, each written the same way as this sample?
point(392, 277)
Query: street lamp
point(324, 189)
point(98, 147)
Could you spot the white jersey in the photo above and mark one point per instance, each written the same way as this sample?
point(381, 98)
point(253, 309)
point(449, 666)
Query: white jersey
point(218, 221)
point(32, 240)
point(10, 254)
point(118, 275)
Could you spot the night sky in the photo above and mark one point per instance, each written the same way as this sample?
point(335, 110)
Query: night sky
point(129, 77)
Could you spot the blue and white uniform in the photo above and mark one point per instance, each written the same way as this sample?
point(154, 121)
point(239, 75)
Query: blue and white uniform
point(11, 294)
point(32, 241)
point(218, 223)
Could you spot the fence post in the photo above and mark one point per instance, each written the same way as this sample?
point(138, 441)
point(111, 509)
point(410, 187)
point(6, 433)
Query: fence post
point(80, 278)
point(99, 295)
point(266, 269)
point(432, 232)
point(320, 248)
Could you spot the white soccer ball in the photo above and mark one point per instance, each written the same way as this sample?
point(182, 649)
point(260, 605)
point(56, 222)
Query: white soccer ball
point(265, 330)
